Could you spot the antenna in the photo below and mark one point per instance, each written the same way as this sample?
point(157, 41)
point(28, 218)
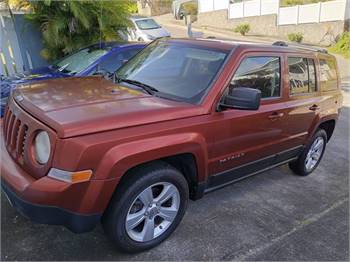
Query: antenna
point(101, 25)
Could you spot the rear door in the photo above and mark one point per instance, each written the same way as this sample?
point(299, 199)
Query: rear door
point(305, 101)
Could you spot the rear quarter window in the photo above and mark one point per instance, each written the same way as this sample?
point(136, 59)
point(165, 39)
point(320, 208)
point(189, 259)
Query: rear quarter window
point(328, 75)
point(302, 75)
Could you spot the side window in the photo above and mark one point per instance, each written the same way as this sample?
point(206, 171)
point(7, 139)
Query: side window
point(302, 75)
point(116, 60)
point(260, 72)
point(328, 75)
point(312, 75)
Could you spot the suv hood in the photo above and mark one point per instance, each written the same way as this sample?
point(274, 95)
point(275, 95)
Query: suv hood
point(83, 105)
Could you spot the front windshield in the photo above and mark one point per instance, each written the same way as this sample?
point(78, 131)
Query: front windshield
point(179, 70)
point(146, 24)
point(79, 61)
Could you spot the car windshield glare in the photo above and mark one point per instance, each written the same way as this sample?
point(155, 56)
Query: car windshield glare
point(146, 24)
point(181, 71)
point(79, 61)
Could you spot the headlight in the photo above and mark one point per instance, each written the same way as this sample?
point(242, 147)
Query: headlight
point(42, 147)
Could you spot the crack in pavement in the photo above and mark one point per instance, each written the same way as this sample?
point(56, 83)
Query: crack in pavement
point(301, 225)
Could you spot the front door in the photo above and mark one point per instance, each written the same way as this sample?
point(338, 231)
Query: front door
point(244, 137)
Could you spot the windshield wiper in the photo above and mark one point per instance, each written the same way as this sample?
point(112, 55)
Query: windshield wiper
point(149, 89)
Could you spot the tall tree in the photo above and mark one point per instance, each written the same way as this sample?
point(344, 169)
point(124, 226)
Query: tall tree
point(68, 25)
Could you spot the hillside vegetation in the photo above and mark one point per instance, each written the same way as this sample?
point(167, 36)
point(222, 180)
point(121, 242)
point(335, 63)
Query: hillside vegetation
point(300, 2)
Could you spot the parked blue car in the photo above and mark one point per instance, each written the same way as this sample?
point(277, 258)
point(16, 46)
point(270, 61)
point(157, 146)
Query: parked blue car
point(102, 58)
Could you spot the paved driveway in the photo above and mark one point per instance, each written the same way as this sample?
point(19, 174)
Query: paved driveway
point(272, 216)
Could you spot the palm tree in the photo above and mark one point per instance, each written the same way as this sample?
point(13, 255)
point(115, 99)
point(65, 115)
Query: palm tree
point(69, 25)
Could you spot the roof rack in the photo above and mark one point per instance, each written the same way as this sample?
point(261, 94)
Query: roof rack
point(282, 43)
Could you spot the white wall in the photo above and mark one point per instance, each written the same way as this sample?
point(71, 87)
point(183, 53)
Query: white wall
point(270, 7)
point(221, 4)
point(212, 5)
point(236, 10)
point(205, 6)
point(252, 8)
point(309, 13)
point(333, 11)
point(312, 13)
point(288, 15)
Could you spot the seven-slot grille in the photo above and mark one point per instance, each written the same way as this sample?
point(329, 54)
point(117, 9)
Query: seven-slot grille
point(15, 134)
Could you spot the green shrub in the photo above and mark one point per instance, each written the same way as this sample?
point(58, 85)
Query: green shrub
point(342, 46)
point(132, 7)
point(296, 37)
point(69, 25)
point(243, 29)
point(190, 8)
point(299, 2)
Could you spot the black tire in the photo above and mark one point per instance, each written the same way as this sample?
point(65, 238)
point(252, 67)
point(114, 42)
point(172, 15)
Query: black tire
point(114, 219)
point(298, 166)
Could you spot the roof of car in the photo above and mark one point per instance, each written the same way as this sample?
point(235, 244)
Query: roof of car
point(226, 44)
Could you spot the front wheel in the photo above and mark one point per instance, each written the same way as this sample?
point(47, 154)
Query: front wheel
point(311, 155)
point(148, 207)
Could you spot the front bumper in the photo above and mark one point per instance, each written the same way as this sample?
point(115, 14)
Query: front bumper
point(77, 223)
point(78, 206)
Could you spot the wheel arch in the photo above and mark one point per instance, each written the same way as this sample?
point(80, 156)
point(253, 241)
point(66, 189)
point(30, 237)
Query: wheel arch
point(328, 126)
point(186, 152)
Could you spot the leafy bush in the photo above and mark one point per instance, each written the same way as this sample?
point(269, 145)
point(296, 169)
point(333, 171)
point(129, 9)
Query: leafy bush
point(299, 2)
point(132, 7)
point(243, 29)
point(190, 8)
point(296, 37)
point(69, 25)
point(342, 46)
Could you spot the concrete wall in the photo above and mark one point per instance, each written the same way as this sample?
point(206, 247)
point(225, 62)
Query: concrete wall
point(315, 33)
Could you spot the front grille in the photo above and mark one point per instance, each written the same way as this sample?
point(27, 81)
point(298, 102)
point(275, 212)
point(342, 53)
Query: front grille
point(19, 130)
point(15, 134)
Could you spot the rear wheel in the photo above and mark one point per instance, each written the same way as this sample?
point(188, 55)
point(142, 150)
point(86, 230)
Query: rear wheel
point(311, 155)
point(148, 207)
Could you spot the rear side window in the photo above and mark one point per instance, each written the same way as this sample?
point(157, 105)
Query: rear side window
point(328, 75)
point(261, 72)
point(302, 75)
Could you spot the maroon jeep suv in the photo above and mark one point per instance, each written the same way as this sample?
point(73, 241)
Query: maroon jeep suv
point(180, 119)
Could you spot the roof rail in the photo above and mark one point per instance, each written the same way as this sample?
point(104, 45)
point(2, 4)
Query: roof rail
point(282, 43)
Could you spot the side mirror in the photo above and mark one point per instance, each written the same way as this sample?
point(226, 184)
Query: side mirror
point(242, 98)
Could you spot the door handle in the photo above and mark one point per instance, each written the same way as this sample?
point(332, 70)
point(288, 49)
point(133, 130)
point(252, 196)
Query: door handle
point(314, 107)
point(275, 115)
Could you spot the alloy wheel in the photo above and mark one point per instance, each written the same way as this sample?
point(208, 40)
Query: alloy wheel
point(152, 212)
point(314, 154)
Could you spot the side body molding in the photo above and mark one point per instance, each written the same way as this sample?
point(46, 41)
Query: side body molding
point(119, 159)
